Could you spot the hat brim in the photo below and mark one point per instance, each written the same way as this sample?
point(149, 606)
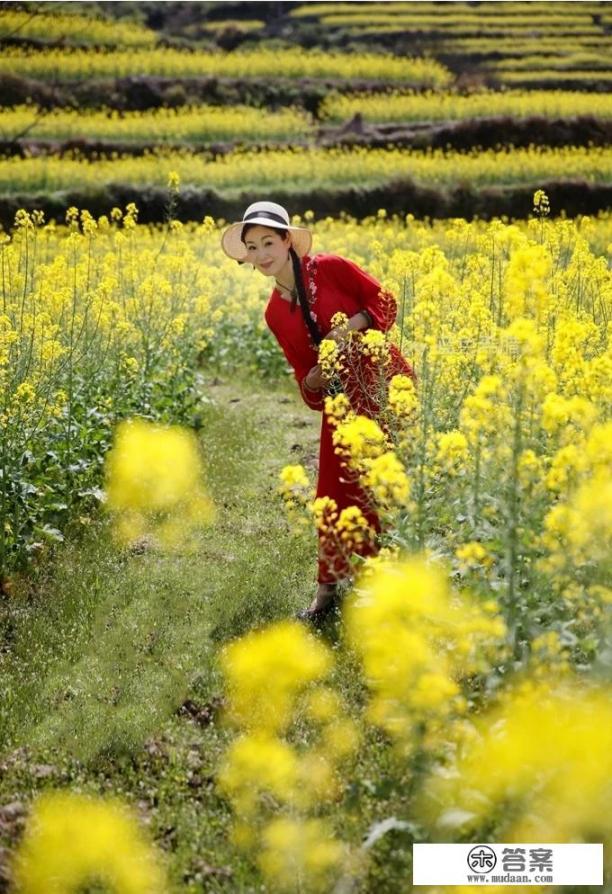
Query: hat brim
point(234, 247)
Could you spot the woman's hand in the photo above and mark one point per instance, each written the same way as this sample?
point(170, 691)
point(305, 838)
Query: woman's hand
point(339, 334)
point(315, 378)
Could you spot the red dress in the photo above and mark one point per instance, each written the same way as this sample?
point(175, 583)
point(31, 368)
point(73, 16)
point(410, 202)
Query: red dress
point(333, 284)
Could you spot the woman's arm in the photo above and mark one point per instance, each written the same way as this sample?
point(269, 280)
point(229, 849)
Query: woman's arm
point(378, 303)
point(359, 321)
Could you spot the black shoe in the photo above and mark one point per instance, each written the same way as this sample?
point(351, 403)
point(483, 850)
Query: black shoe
point(316, 616)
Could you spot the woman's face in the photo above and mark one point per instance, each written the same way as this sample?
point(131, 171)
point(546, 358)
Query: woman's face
point(266, 249)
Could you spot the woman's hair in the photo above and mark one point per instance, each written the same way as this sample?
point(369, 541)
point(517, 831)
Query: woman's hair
point(299, 280)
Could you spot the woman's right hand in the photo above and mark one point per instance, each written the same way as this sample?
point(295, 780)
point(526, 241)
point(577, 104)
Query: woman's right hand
point(315, 378)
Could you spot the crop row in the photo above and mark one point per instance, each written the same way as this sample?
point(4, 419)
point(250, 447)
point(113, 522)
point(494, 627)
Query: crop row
point(430, 106)
point(207, 124)
point(440, 31)
point(561, 60)
point(594, 78)
point(77, 29)
point(300, 168)
point(442, 10)
point(199, 124)
point(63, 65)
point(464, 22)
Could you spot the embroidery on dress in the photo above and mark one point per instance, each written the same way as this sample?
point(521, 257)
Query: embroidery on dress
point(311, 285)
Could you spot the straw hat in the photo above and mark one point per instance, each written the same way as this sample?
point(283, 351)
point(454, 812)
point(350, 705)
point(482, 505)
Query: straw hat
point(270, 215)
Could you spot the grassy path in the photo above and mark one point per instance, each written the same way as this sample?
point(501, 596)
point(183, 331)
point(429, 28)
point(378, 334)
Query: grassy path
point(98, 657)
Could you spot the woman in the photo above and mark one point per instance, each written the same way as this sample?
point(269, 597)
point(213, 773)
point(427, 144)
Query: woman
point(323, 284)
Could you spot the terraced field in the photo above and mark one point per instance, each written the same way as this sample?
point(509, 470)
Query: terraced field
point(405, 79)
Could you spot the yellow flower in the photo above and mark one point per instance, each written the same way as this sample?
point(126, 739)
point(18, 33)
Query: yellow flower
point(71, 840)
point(472, 555)
point(154, 476)
point(299, 849)
point(374, 345)
point(337, 408)
point(325, 513)
point(352, 527)
point(258, 764)
point(174, 181)
point(540, 202)
point(360, 437)
point(330, 357)
point(416, 640)
point(151, 467)
point(403, 400)
point(529, 756)
point(385, 477)
point(294, 476)
point(266, 670)
point(25, 393)
point(452, 450)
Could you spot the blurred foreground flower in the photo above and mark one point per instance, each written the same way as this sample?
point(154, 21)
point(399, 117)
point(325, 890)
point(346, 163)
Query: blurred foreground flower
point(299, 854)
point(275, 680)
point(72, 841)
point(154, 483)
point(539, 766)
point(267, 669)
point(418, 641)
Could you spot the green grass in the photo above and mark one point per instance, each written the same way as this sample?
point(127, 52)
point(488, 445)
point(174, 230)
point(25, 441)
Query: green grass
point(102, 648)
point(106, 645)
point(109, 643)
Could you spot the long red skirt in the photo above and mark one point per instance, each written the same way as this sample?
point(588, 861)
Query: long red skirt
point(339, 482)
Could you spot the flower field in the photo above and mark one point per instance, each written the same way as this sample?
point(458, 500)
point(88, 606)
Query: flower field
point(199, 124)
point(80, 64)
point(166, 725)
point(319, 168)
point(418, 107)
point(496, 467)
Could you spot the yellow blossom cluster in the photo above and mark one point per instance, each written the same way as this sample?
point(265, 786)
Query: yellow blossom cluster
point(367, 449)
point(578, 527)
point(154, 483)
point(274, 677)
point(296, 490)
point(402, 397)
point(71, 839)
point(330, 358)
point(359, 438)
point(386, 479)
point(346, 529)
point(417, 640)
point(527, 753)
point(472, 555)
point(373, 344)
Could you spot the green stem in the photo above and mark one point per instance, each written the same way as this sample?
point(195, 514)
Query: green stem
point(513, 519)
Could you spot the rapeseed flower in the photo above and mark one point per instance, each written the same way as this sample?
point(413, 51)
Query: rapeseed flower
point(359, 437)
point(385, 477)
point(259, 765)
point(540, 764)
point(154, 482)
point(299, 854)
point(72, 840)
point(416, 641)
point(265, 672)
